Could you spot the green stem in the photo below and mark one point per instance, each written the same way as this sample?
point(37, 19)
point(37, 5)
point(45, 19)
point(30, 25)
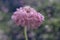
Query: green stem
point(25, 33)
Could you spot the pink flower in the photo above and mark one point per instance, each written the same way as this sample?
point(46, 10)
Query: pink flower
point(27, 16)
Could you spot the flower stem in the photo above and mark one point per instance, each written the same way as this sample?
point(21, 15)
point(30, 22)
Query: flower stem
point(25, 33)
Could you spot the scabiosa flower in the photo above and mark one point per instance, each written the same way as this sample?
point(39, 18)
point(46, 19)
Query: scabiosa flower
point(28, 17)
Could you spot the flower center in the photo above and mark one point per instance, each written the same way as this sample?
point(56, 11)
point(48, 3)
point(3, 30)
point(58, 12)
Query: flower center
point(28, 11)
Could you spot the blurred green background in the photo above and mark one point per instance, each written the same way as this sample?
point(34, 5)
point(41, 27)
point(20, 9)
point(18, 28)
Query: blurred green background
point(49, 30)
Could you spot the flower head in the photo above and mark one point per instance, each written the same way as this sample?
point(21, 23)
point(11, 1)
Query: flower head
point(27, 16)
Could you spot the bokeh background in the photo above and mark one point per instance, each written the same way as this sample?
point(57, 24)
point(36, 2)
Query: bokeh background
point(49, 30)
